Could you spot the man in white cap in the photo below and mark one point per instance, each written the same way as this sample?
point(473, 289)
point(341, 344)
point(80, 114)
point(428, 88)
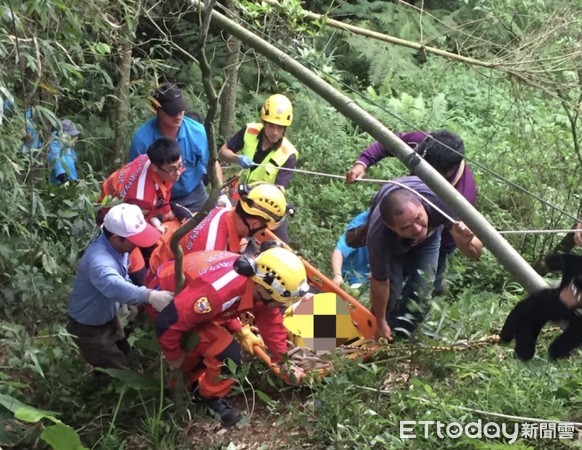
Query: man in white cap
point(102, 285)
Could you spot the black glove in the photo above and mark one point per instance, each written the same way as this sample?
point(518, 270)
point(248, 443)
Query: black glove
point(181, 212)
point(569, 265)
point(63, 177)
point(527, 319)
point(570, 339)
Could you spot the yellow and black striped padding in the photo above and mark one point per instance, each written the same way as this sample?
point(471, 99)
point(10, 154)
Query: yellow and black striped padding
point(320, 323)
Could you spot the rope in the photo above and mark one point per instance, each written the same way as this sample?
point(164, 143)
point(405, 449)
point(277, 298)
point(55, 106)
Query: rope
point(320, 364)
point(395, 116)
point(478, 411)
point(374, 180)
point(572, 230)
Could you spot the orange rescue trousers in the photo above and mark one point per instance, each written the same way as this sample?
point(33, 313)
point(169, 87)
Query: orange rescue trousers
point(204, 365)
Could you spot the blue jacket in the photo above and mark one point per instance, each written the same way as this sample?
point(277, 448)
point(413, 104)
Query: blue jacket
point(32, 136)
point(193, 142)
point(355, 267)
point(102, 284)
point(62, 159)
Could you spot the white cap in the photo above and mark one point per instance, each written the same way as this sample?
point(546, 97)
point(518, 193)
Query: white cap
point(127, 221)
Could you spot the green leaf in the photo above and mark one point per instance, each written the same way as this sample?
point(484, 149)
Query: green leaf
point(68, 214)
point(24, 412)
point(135, 380)
point(264, 397)
point(32, 415)
point(102, 48)
point(62, 437)
point(190, 340)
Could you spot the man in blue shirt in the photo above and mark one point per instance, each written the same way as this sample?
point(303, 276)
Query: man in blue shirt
point(102, 285)
point(61, 155)
point(349, 261)
point(170, 122)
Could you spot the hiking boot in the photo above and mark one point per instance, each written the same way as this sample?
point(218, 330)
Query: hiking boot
point(229, 415)
point(441, 290)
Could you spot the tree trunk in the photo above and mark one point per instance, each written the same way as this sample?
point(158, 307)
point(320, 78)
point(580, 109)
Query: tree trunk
point(177, 375)
point(120, 115)
point(501, 249)
point(226, 126)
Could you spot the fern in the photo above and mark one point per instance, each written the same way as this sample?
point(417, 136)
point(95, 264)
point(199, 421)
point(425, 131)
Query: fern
point(384, 60)
point(408, 112)
point(436, 116)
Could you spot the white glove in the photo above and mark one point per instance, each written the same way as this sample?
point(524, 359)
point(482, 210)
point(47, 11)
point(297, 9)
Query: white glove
point(157, 224)
point(159, 299)
point(224, 201)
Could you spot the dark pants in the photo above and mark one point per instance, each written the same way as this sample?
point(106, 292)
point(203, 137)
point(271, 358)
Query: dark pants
point(102, 345)
point(195, 200)
point(411, 283)
point(283, 231)
point(445, 254)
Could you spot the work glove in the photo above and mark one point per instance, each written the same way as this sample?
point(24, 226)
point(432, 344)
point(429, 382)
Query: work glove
point(159, 299)
point(245, 162)
point(181, 212)
point(247, 339)
point(156, 222)
point(525, 322)
point(223, 201)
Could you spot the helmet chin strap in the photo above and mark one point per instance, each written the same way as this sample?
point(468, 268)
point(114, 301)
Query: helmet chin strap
point(252, 231)
point(269, 299)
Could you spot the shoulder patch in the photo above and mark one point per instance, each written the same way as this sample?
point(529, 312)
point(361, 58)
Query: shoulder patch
point(202, 306)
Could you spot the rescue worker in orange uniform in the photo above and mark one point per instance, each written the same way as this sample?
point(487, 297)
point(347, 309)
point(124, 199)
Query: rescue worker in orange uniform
point(220, 287)
point(146, 182)
point(261, 206)
point(262, 149)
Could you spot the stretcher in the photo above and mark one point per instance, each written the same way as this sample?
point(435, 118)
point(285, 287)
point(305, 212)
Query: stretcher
point(325, 321)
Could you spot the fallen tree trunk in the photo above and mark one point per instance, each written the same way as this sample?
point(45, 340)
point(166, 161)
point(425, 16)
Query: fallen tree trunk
point(499, 247)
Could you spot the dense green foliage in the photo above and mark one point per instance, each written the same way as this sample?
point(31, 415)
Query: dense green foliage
point(65, 65)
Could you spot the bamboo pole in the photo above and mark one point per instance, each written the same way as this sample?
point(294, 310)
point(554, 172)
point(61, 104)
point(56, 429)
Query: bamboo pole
point(508, 68)
point(391, 39)
point(499, 247)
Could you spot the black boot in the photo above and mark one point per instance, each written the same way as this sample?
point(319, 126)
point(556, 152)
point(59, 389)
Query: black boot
point(229, 415)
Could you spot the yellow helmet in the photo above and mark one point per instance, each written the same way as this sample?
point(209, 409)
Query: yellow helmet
point(282, 274)
point(263, 200)
point(278, 110)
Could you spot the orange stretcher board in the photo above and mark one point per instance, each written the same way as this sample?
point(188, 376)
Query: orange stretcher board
point(338, 303)
point(321, 322)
